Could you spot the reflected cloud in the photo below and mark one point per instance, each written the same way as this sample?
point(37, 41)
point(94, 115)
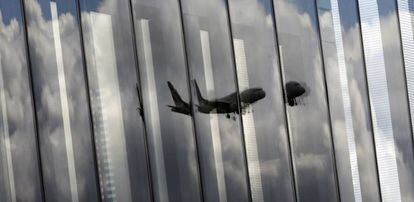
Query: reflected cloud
point(21, 130)
point(309, 125)
point(48, 99)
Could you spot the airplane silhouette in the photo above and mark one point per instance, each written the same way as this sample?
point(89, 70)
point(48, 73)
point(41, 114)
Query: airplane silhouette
point(180, 106)
point(225, 105)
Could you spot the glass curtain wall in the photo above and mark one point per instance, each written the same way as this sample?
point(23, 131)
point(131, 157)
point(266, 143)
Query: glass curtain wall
point(115, 101)
point(264, 121)
point(406, 20)
point(61, 102)
point(305, 94)
point(215, 100)
point(388, 96)
point(20, 168)
point(348, 100)
point(166, 101)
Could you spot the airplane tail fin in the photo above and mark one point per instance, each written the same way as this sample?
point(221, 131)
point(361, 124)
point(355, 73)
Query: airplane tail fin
point(200, 98)
point(180, 105)
point(176, 97)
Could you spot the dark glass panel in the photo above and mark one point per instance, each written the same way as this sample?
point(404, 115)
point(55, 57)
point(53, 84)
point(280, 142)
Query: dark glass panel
point(307, 110)
point(264, 119)
point(61, 101)
point(166, 105)
point(112, 75)
point(19, 170)
point(216, 111)
point(348, 99)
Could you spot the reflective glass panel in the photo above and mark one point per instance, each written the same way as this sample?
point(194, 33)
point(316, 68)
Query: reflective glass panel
point(348, 99)
point(305, 95)
point(114, 94)
point(61, 101)
point(165, 96)
point(406, 17)
point(19, 162)
point(262, 102)
point(388, 96)
point(216, 110)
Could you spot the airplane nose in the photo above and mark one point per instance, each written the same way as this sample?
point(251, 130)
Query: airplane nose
point(262, 94)
point(302, 89)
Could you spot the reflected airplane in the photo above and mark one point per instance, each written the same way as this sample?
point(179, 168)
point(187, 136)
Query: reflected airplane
point(180, 106)
point(293, 91)
point(225, 105)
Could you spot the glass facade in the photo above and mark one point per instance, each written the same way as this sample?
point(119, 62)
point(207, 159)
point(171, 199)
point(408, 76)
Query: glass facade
point(195, 100)
point(348, 100)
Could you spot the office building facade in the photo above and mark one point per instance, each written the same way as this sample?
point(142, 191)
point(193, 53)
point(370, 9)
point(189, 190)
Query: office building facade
point(206, 100)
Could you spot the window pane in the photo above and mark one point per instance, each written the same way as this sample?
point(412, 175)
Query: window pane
point(307, 111)
point(112, 75)
point(61, 102)
point(19, 170)
point(216, 105)
point(263, 118)
point(387, 91)
point(164, 81)
point(350, 118)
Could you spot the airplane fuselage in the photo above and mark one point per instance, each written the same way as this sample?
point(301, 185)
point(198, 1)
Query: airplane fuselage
point(225, 105)
point(228, 104)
